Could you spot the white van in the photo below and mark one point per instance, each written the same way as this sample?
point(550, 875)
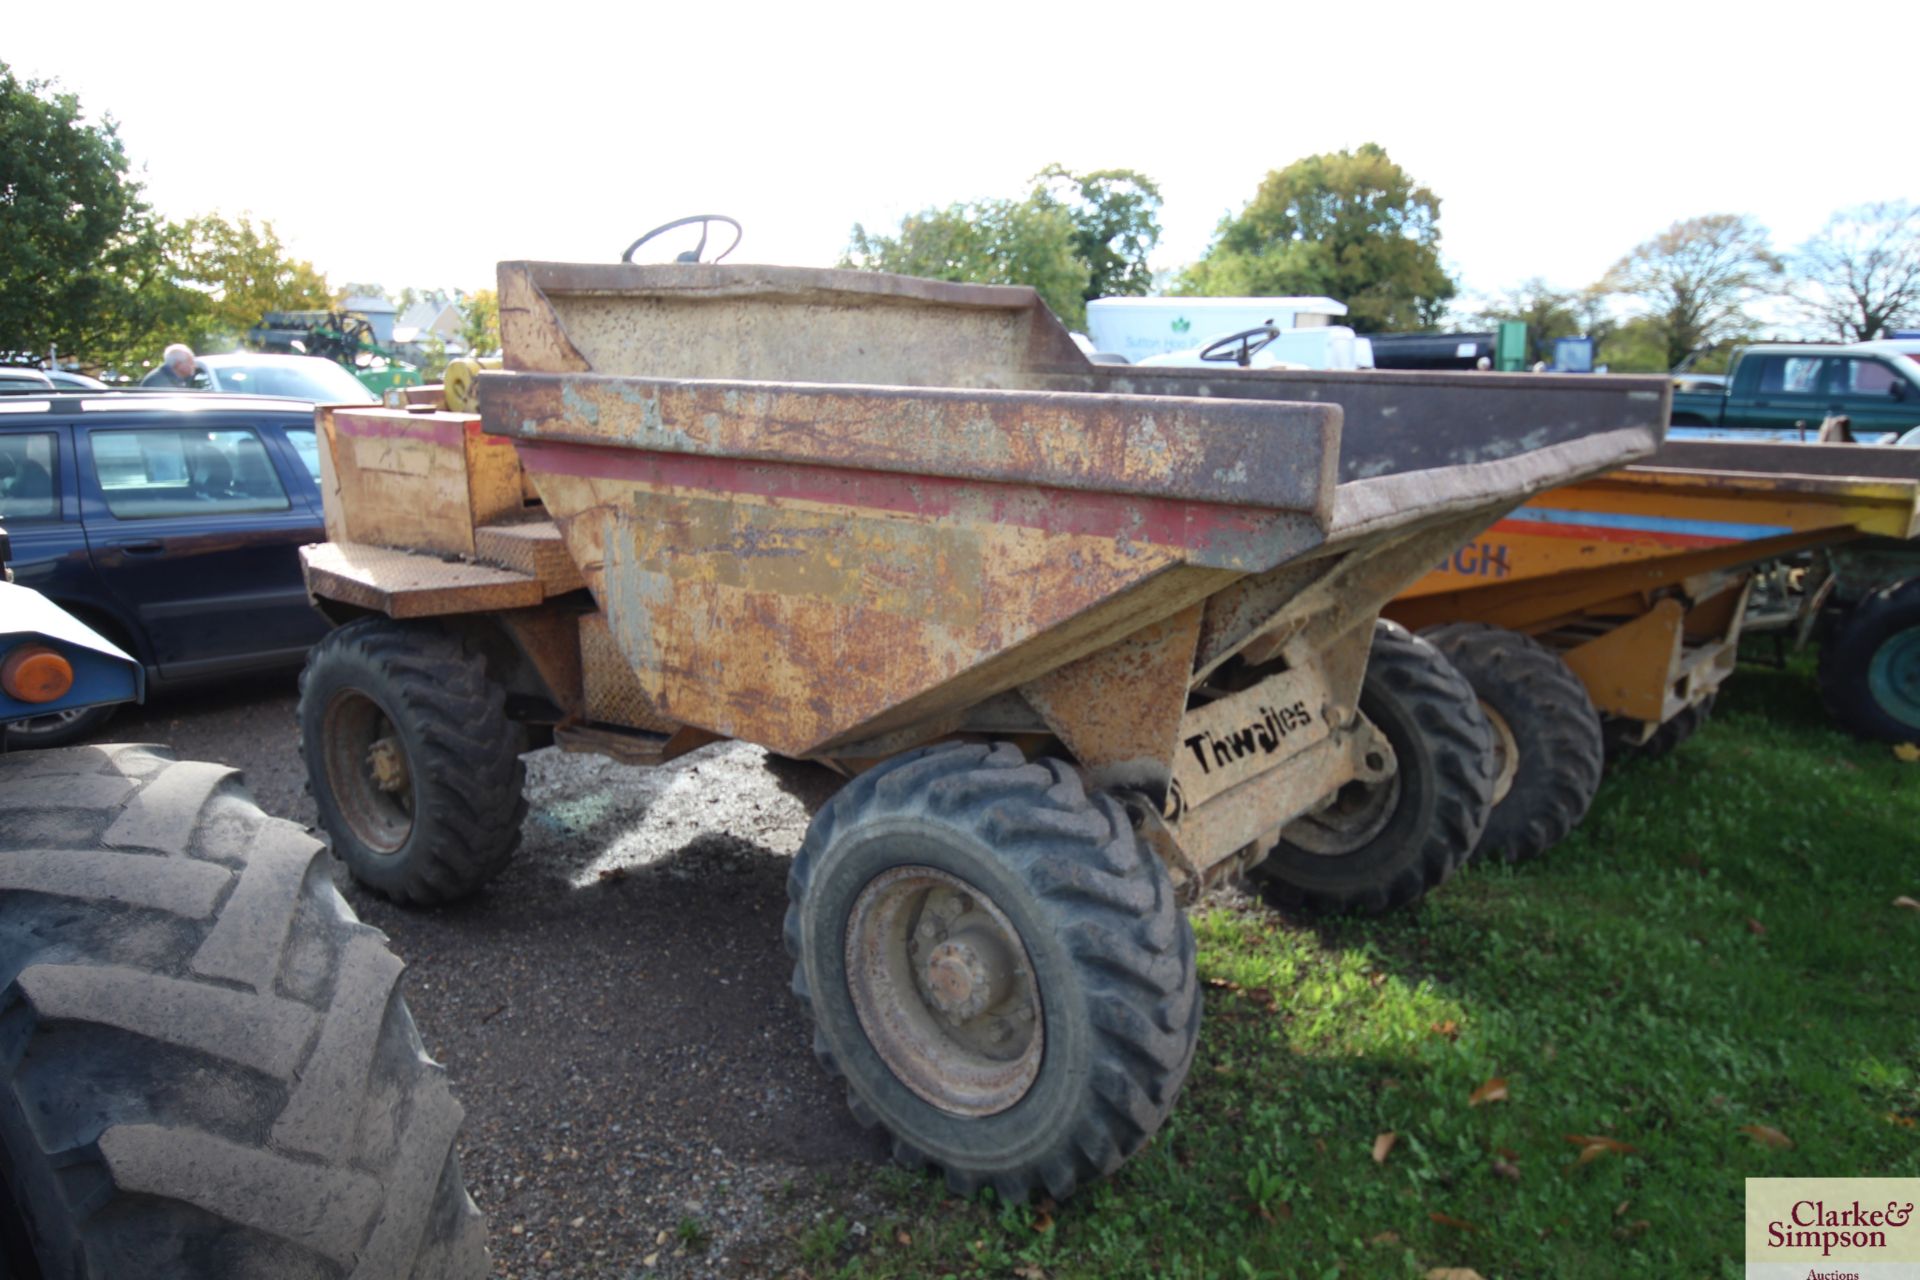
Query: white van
point(1138, 328)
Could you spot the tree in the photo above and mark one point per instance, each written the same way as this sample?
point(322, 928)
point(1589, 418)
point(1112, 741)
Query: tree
point(84, 263)
point(72, 224)
point(204, 282)
point(1864, 270)
point(1695, 280)
point(1116, 219)
point(480, 325)
point(1351, 225)
point(242, 272)
point(1030, 242)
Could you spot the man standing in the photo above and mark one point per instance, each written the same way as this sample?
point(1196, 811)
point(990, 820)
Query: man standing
point(178, 369)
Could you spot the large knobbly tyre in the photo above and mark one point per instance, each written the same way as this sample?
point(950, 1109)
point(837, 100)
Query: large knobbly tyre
point(996, 965)
point(207, 1067)
point(1382, 845)
point(415, 767)
point(1549, 752)
point(1870, 669)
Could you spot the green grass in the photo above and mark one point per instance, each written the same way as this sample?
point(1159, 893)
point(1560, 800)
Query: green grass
point(1716, 947)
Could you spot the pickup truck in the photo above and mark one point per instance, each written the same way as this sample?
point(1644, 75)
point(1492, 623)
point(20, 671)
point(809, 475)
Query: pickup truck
point(1785, 390)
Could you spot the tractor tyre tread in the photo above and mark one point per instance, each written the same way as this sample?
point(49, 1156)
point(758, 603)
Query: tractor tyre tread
point(206, 1064)
point(1553, 721)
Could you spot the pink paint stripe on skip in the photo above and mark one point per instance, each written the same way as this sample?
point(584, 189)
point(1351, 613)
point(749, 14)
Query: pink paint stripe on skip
point(447, 432)
point(1160, 521)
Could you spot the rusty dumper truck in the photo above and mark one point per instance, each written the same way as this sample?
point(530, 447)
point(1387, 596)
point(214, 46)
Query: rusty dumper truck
point(1082, 637)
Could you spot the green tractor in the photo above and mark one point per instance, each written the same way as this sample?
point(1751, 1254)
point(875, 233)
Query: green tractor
point(340, 336)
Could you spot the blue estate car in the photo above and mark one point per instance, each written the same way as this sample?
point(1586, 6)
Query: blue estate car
point(169, 522)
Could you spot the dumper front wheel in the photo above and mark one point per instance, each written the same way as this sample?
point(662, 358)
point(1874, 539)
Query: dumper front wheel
point(996, 966)
point(415, 767)
point(1548, 749)
point(1377, 846)
point(1870, 669)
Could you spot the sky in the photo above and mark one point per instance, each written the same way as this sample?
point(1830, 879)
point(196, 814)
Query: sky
point(418, 145)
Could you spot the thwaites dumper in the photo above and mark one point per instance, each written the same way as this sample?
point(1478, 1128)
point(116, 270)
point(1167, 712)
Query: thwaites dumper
point(1608, 612)
point(1082, 636)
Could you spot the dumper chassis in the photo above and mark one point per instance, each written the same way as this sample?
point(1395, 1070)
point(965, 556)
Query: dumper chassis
point(1083, 638)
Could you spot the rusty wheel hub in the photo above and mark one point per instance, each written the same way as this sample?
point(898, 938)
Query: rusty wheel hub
point(944, 990)
point(367, 771)
point(387, 765)
point(1357, 813)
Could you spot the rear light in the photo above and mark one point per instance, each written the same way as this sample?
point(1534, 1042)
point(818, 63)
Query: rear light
point(35, 673)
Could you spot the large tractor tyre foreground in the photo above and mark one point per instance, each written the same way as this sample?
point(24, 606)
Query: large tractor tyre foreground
point(414, 765)
point(208, 1068)
point(1378, 846)
point(1548, 749)
point(997, 967)
point(1870, 668)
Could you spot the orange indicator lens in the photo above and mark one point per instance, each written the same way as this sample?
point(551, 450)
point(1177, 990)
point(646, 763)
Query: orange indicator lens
point(35, 673)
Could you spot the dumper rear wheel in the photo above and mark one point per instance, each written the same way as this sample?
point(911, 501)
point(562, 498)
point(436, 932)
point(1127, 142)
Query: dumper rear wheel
point(206, 1064)
point(996, 966)
point(1378, 846)
point(1870, 668)
point(415, 767)
point(1665, 740)
point(1549, 752)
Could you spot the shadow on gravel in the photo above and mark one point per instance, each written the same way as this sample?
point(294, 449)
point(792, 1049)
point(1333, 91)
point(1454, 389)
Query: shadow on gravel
point(809, 783)
point(614, 1009)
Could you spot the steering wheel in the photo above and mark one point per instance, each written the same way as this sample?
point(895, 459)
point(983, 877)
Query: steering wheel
point(1223, 350)
point(693, 254)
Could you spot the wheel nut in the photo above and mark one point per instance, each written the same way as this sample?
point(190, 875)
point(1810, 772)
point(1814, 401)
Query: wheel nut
point(958, 981)
point(387, 765)
point(968, 974)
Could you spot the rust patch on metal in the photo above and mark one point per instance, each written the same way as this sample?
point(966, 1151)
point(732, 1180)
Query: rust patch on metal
point(1222, 455)
point(531, 335)
point(403, 585)
point(791, 624)
point(1119, 710)
point(610, 690)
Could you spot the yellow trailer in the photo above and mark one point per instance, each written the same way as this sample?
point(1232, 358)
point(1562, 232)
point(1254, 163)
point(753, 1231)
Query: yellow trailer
point(1608, 612)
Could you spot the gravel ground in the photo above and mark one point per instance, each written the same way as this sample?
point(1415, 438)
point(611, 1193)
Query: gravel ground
point(640, 1095)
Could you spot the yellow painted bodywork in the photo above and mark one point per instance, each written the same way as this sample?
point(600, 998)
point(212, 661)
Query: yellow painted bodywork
point(1632, 575)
